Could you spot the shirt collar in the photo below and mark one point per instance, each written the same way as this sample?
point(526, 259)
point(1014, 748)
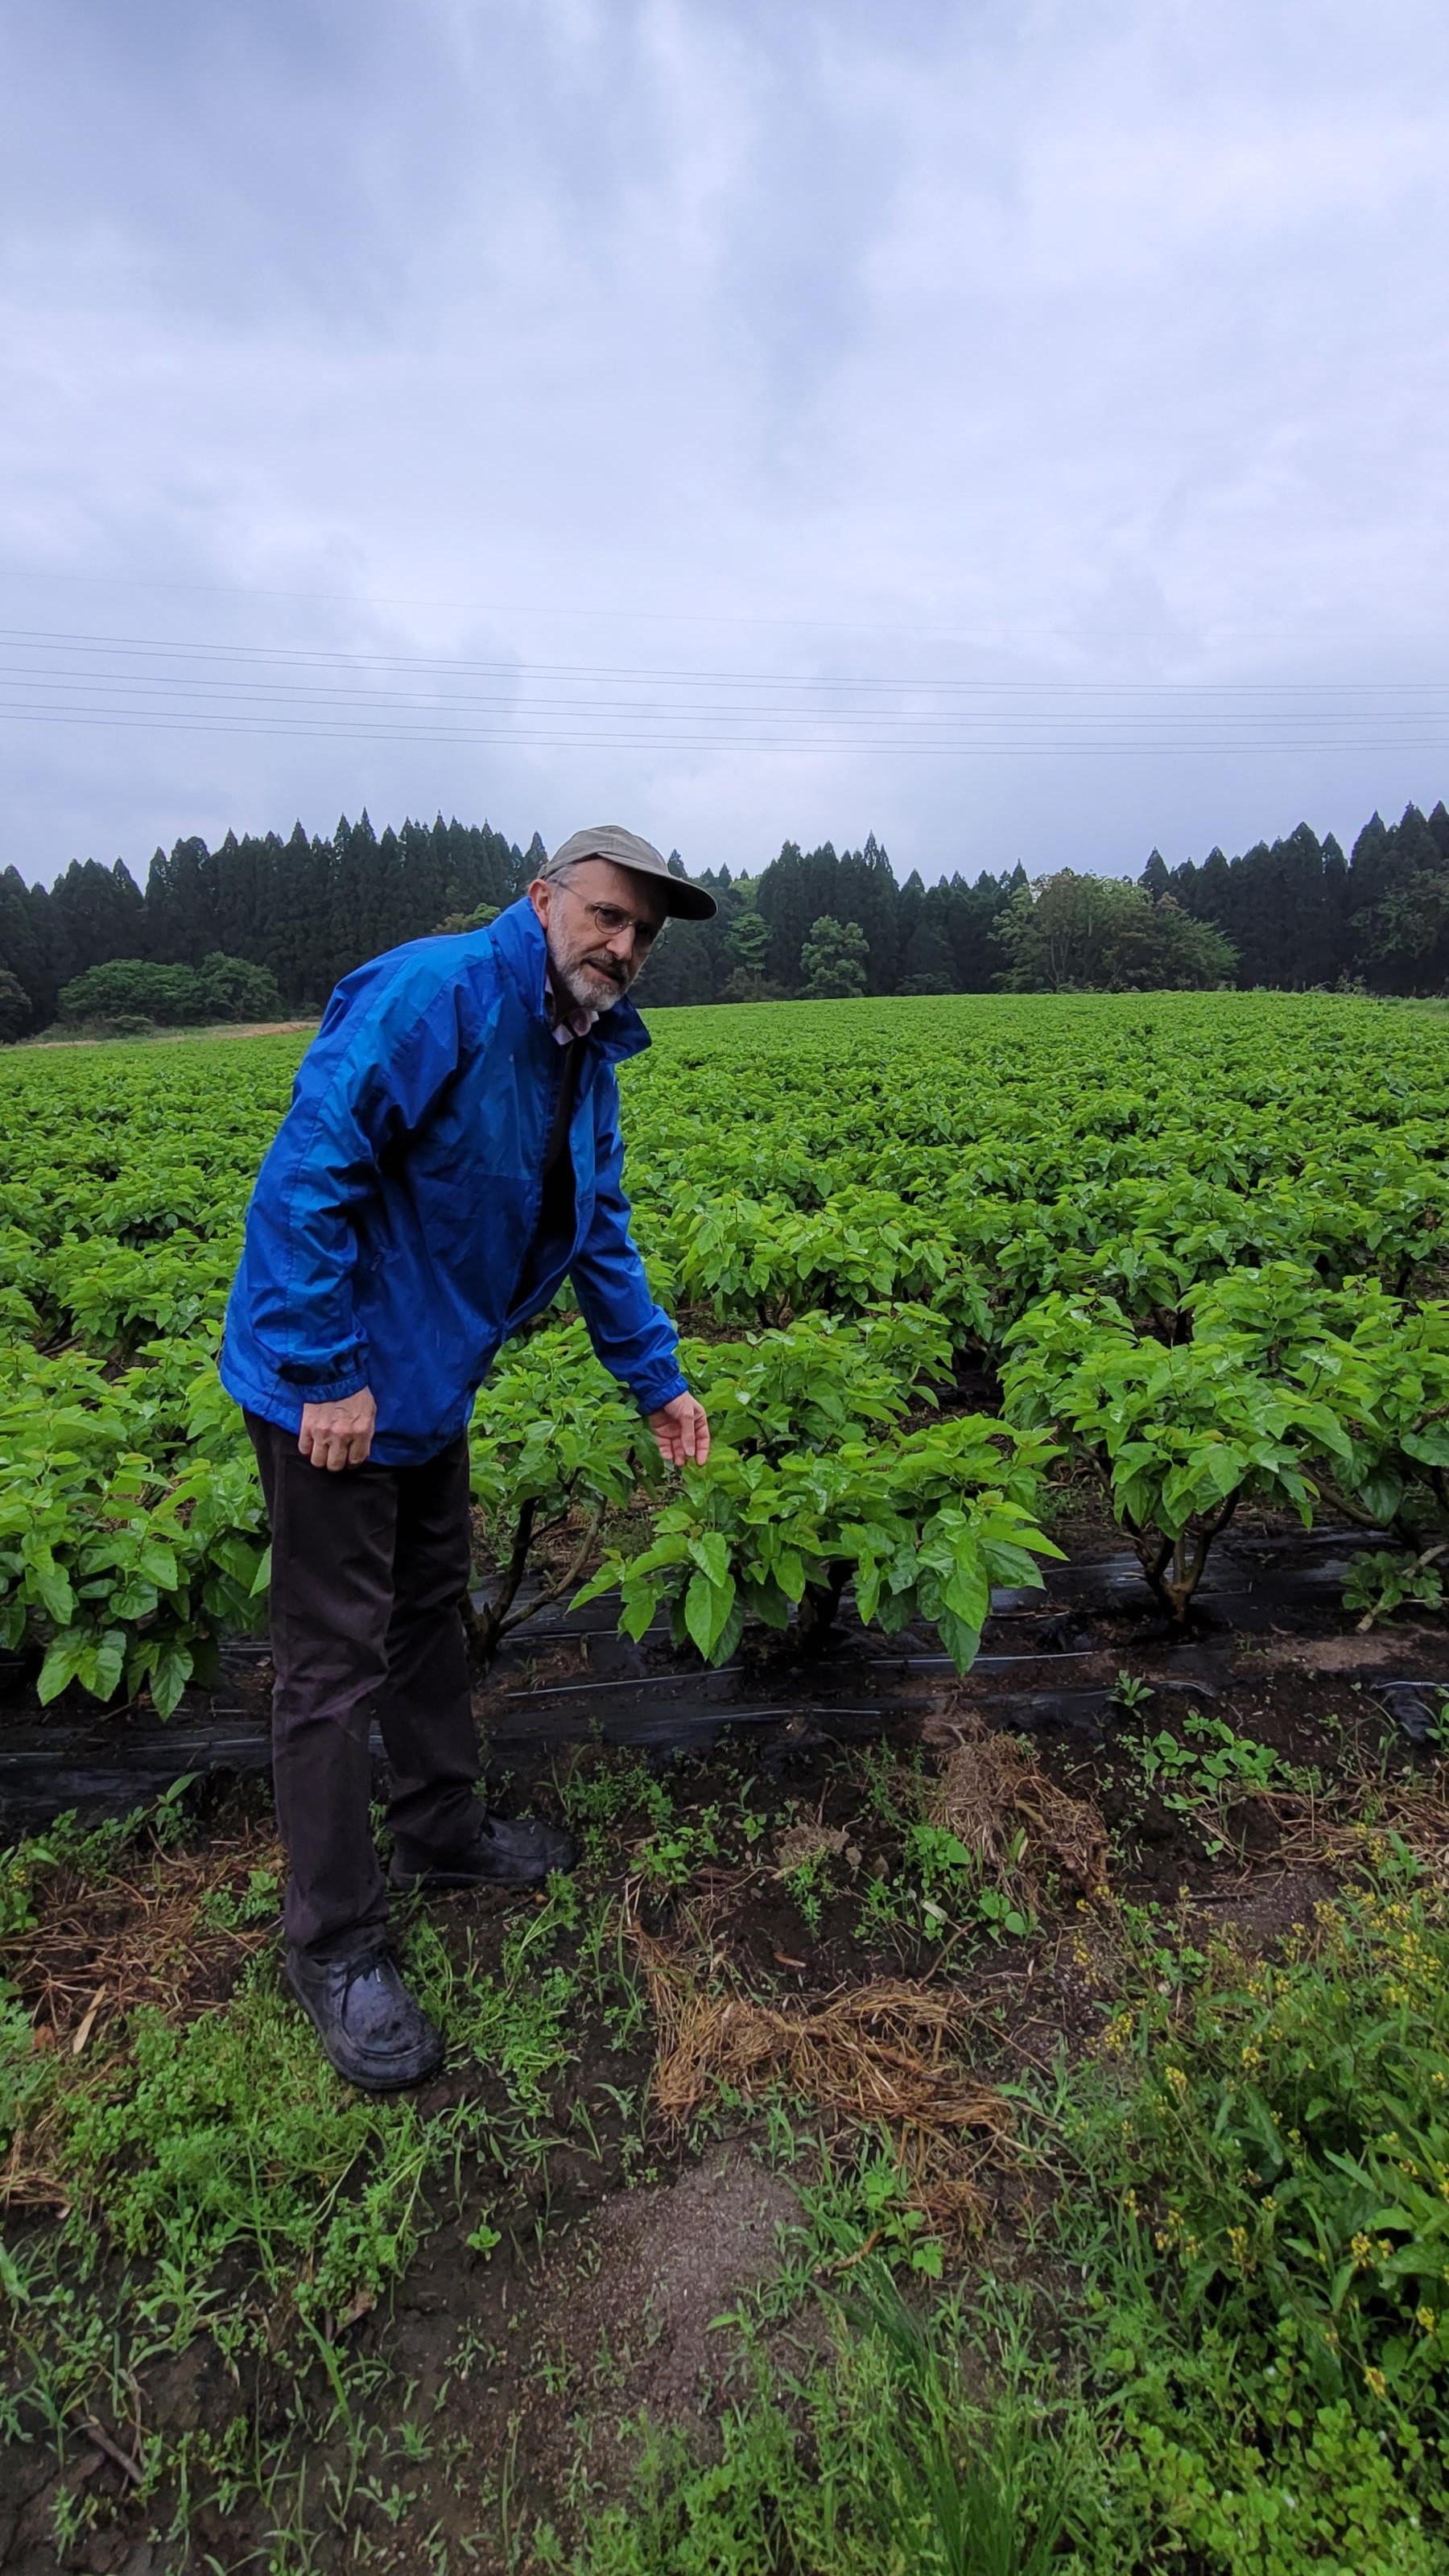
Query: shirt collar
point(566, 1023)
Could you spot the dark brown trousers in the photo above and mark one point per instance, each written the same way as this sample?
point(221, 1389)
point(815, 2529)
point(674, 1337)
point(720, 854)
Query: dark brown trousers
point(369, 1568)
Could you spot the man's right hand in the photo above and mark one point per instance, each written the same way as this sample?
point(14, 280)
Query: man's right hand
point(338, 1435)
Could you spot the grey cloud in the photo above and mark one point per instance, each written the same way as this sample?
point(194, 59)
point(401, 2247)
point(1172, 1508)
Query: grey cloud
point(1029, 345)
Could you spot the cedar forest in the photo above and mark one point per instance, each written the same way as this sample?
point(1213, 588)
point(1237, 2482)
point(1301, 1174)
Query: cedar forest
point(821, 923)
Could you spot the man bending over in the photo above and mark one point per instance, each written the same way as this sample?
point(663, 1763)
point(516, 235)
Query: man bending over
point(451, 1152)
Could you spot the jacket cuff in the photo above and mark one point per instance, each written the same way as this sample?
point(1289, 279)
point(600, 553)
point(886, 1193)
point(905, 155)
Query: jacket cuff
point(333, 1390)
point(660, 1387)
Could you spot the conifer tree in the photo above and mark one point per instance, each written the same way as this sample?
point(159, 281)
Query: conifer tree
point(15, 1010)
point(781, 901)
point(1297, 912)
point(22, 944)
point(929, 965)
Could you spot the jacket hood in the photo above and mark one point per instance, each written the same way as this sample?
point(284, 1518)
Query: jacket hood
point(517, 935)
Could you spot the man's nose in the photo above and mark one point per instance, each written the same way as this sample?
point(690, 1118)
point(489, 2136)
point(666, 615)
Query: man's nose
point(620, 942)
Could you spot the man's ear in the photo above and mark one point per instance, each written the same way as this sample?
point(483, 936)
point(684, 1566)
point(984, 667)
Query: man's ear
point(538, 894)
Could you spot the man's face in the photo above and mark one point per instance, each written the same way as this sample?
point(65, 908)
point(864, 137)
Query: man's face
point(600, 923)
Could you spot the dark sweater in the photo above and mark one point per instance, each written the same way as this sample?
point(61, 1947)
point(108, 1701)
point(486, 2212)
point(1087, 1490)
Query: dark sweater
point(554, 1231)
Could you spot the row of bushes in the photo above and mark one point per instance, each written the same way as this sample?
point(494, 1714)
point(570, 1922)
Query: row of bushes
point(130, 995)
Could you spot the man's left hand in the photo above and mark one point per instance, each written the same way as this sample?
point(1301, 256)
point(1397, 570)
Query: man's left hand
point(681, 1428)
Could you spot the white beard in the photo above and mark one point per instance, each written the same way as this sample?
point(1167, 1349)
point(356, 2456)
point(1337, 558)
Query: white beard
point(585, 986)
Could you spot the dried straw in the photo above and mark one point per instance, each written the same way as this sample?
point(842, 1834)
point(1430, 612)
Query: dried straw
point(993, 1794)
point(143, 1937)
point(871, 2057)
point(801, 1844)
point(97, 1952)
point(1339, 1829)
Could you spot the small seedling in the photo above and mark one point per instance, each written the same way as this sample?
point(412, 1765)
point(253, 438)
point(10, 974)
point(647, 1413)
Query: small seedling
point(1130, 1691)
point(1000, 1916)
point(805, 1885)
point(672, 1856)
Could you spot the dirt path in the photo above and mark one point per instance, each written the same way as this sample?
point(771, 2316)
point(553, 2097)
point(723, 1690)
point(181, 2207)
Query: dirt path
point(178, 1037)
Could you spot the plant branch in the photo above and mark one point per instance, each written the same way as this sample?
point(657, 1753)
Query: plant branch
point(485, 1626)
point(564, 1583)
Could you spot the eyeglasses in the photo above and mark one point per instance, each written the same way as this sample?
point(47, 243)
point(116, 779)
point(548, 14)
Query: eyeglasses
point(610, 919)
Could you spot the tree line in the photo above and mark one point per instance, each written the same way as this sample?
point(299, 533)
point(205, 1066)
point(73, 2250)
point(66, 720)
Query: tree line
point(305, 910)
point(1295, 913)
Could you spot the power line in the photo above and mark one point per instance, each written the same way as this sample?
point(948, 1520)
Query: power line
point(295, 693)
point(61, 677)
point(48, 637)
point(360, 730)
point(613, 615)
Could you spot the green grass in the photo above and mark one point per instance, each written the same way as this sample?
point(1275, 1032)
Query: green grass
point(226, 2191)
point(884, 2461)
point(1225, 2351)
point(1206, 2333)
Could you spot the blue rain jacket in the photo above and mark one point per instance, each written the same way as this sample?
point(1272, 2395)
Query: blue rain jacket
point(392, 1215)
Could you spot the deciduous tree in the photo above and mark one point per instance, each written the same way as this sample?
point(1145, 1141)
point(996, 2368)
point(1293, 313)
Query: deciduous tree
point(834, 960)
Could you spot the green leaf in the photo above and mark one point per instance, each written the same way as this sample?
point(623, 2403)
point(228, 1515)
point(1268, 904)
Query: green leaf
point(763, 1599)
point(707, 1608)
point(1430, 1446)
point(1380, 1492)
point(62, 1664)
point(1012, 1566)
point(895, 1612)
point(132, 1600)
point(54, 1587)
point(868, 1577)
point(730, 1634)
point(641, 1600)
point(710, 1552)
point(102, 1665)
point(789, 1573)
point(598, 1584)
point(967, 1592)
point(961, 1641)
point(170, 1673)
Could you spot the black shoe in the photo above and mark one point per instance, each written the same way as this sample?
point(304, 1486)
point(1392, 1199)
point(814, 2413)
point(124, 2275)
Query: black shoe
point(505, 1854)
point(368, 2023)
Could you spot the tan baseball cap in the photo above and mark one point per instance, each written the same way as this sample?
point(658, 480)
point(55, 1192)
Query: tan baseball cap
point(626, 850)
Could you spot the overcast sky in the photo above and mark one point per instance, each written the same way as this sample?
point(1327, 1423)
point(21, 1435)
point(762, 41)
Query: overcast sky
point(1018, 430)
